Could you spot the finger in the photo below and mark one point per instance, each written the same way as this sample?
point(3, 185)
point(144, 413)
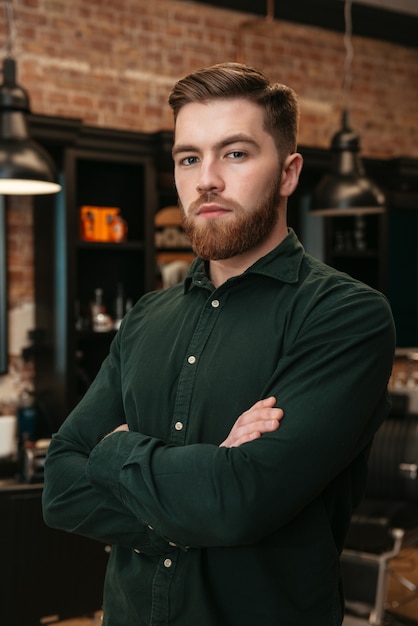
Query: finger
point(261, 405)
point(238, 437)
point(265, 402)
point(121, 427)
point(259, 414)
point(233, 442)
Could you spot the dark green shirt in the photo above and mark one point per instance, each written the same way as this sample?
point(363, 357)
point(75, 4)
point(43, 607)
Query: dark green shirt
point(210, 536)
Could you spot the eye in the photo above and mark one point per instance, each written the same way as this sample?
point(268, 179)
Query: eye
point(190, 160)
point(236, 154)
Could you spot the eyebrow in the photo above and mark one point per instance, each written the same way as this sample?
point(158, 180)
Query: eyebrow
point(238, 138)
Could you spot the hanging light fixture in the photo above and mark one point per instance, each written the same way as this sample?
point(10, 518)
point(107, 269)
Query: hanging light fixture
point(25, 167)
point(346, 190)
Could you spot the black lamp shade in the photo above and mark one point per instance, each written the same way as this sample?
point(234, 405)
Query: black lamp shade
point(346, 190)
point(25, 167)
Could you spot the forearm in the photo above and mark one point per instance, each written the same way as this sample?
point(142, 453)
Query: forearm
point(179, 491)
point(70, 503)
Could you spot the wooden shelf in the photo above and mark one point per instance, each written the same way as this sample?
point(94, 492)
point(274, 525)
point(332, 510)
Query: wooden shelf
point(121, 246)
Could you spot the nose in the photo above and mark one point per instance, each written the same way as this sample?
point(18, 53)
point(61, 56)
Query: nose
point(209, 179)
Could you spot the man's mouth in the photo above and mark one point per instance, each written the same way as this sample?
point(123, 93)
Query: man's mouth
point(212, 211)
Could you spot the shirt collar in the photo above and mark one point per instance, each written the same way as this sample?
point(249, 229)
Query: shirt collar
point(282, 263)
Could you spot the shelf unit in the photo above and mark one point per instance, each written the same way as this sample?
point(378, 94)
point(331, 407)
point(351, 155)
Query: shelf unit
point(101, 168)
point(106, 180)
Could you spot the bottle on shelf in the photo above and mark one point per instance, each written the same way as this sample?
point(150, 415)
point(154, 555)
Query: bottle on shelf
point(100, 321)
point(119, 306)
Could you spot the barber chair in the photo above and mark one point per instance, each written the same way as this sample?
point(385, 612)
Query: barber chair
point(385, 522)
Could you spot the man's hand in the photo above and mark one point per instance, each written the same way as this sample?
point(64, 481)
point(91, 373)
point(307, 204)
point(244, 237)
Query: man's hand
point(119, 428)
point(261, 418)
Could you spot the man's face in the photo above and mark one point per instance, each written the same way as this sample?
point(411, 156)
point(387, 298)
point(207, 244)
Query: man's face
point(227, 174)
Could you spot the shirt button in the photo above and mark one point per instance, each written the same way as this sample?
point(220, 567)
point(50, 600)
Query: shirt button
point(150, 527)
point(215, 303)
point(137, 551)
point(191, 360)
point(172, 544)
point(168, 563)
point(178, 426)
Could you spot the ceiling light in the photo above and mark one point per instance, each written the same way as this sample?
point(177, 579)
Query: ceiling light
point(25, 167)
point(346, 190)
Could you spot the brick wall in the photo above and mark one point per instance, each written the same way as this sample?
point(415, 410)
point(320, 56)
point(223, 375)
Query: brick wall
point(20, 251)
point(112, 63)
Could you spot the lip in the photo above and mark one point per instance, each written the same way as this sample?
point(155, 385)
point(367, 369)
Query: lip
point(212, 211)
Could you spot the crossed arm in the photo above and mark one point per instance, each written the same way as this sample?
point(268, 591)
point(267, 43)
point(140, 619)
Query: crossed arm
point(262, 417)
point(114, 489)
point(71, 504)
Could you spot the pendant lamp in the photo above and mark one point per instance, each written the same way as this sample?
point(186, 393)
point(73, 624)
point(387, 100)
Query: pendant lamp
point(346, 190)
point(25, 167)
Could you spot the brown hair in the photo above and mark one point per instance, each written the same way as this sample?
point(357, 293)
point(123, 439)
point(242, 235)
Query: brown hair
point(234, 80)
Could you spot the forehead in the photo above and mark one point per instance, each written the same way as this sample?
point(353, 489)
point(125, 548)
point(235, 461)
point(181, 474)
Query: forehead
point(216, 118)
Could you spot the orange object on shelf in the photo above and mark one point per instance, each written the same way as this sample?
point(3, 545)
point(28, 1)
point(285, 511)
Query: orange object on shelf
point(99, 223)
point(117, 229)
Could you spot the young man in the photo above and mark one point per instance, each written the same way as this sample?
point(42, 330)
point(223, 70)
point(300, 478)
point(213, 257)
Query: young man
point(217, 516)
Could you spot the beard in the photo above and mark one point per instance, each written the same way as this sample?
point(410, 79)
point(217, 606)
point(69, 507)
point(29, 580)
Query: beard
point(221, 238)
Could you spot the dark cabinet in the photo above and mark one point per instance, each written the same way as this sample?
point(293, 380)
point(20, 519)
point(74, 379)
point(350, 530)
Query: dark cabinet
point(403, 249)
point(357, 245)
point(45, 573)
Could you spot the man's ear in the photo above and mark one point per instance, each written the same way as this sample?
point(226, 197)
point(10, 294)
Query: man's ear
point(290, 174)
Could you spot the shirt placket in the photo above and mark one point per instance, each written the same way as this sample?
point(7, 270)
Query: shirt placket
point(166, 567)
point(193, 355)
point(161, 583)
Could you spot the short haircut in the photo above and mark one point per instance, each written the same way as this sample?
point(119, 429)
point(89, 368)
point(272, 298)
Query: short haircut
point(235, 80)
